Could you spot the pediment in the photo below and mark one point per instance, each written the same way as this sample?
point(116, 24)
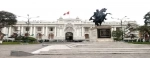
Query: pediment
point(69, 29)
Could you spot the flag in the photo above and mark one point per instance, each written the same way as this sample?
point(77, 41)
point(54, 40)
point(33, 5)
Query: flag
point(67, 13)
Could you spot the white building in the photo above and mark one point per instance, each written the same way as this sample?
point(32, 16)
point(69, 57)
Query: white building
point(62, 29)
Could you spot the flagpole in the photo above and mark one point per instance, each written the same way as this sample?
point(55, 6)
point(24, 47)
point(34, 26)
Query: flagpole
point(67, 13)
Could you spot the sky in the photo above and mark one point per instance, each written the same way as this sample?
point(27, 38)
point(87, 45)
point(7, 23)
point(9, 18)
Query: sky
point(51, 10)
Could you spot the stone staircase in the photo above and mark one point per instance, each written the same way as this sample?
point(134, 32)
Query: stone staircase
point(95, 51)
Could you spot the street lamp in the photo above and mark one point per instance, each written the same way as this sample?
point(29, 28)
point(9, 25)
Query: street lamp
point(121, 23)
point(28, 22)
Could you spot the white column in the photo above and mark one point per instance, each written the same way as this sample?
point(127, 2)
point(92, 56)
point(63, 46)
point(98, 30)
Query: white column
point(55, 31)
point(43, 30)
point(60, 32)
point(82, 31)
point(31, 30)
point(22, 30)
point(34, 31)
point(9, 31)
point(77, 32)
point(46, 31)
point(114, 28)
point(18, 30)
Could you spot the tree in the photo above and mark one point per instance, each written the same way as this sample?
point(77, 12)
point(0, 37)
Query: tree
point(117, 35)
point(147, 18)
point(6, 19)
point(144, 29)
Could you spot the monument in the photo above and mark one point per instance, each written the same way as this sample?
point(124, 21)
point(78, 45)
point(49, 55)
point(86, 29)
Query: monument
point(100, 32)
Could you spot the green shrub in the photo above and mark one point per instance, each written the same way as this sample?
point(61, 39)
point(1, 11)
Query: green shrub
point(18, 38)
point(25, 39)
point(117, 35)
point(117, 39)
point(130, 40)
point(31, 39)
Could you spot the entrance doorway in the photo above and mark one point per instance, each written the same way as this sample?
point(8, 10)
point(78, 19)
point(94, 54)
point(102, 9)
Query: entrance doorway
point(69, 36)
point(86, 36)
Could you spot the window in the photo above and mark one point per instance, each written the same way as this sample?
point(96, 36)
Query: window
point(27, 28)
point(39, 29)
point(86, 29)
point(50, 29)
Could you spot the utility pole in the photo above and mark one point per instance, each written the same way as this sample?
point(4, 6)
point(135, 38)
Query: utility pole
point(28, 22)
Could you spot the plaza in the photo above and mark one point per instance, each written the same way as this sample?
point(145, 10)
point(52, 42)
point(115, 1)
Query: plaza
point(87, 50)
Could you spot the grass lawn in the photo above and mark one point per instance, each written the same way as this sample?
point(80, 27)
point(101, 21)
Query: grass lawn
point(140, 42)
point(12, 43)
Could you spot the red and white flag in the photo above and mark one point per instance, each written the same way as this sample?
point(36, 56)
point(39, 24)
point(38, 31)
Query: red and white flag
point(67, 13)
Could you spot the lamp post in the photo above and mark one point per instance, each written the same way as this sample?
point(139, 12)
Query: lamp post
point(121, 24)
point(28, 22)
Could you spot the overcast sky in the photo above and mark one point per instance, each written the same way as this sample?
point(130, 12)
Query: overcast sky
point(53, 9)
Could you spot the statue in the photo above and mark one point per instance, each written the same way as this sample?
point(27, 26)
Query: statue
point(99, 16)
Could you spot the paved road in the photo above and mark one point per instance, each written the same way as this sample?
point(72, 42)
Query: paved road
point(5, 50)
point(88, 56)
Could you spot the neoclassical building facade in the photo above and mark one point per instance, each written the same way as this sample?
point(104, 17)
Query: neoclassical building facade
point(62, 29)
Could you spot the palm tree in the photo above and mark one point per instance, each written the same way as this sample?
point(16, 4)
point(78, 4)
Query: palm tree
point(7, 19)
